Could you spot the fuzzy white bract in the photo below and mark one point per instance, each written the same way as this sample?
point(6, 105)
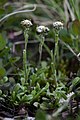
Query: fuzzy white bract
point(26, 23)
point(58, 25)
point(42, 29)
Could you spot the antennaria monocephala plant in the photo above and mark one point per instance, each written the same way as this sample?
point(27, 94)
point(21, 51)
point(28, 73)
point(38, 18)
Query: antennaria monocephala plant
point(42, 30)
point(57, 27)
point(26, 24)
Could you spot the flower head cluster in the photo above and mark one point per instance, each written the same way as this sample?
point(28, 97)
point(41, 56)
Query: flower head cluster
point(58, 25)
point(42, 29)
point(26, 23)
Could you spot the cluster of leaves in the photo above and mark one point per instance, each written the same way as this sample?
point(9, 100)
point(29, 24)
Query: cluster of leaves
point(39, 90)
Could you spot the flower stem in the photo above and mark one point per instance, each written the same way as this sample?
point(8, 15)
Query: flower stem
point(40, 48)
point(56, 56)
point(25, 55)
point(24, 65)
point(56, 51)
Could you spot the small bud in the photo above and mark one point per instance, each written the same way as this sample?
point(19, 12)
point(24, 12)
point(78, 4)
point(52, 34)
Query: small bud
point(58, 25)
point(42, 29)
point(26, 23)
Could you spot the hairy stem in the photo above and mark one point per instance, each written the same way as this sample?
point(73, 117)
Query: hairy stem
point(25, 55)
point(56, 57)
point(40, 48)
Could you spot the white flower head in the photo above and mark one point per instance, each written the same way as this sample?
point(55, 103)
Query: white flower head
point(26, 23)
point(42, 29)
point(58, 25)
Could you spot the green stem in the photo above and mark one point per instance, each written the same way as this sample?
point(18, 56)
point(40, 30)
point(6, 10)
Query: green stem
point(56, 56)
point(52, 60)
point(25, 55)
point(45, 46)
point(26, 37)
point(56, 51)
point(24, 64)
point(40, 48)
